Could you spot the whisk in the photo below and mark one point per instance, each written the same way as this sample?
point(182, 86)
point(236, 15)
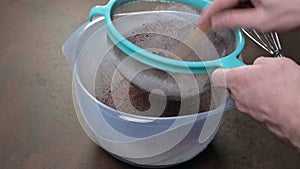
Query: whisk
point(269, 41)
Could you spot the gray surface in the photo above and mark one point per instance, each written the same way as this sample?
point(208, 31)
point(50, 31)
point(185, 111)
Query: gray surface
point(38, 125)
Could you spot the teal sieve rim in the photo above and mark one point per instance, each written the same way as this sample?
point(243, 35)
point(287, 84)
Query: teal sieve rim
point(160, 62)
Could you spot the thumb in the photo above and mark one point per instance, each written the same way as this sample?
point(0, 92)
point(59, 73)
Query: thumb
point(220, 78)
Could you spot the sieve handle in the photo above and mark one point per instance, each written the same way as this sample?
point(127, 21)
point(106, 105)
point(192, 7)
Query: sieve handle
point(231, 62)
point(100, 10)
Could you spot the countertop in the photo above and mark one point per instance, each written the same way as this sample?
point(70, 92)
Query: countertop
point(38, 124)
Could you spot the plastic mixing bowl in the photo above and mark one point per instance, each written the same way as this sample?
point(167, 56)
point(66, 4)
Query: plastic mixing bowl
point(138, 140)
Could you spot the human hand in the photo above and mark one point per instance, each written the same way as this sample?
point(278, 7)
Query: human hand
point(269, 92)
point(266, 15)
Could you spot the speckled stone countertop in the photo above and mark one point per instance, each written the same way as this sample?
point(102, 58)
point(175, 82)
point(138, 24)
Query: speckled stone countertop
point(38, 124)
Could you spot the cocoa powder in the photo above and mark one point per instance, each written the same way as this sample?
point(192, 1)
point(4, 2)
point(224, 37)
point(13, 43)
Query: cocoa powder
point(129, 98)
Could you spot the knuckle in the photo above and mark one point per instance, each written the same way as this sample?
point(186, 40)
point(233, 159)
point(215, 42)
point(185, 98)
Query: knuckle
point(288, 60)
point(262, 23)
point(263, 27)
point(229, 19)
point(240, 107)
point(259, 60)
point(287, 64)
point(235, 84)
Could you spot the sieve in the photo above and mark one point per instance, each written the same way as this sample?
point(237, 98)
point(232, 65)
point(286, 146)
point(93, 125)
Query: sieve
point(158, 61)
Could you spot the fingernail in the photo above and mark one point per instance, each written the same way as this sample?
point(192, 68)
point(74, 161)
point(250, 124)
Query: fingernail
point(204, 27)
point(200, 22)
point(216, 23)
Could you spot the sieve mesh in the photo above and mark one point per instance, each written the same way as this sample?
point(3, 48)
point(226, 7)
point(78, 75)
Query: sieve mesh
point(167, 29)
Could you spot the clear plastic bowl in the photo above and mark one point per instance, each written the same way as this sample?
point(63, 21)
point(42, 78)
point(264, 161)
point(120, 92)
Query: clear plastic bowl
point(138, 140)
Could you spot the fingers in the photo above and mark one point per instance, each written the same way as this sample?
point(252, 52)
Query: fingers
point(222, 14)
point(215, 7)
point(235, 78)
point(237, 18)
point(238, 82)
point(261, 15)
point(231, 79)
point(271, 60)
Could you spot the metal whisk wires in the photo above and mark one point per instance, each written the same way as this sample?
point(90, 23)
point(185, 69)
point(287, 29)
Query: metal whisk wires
point(268, 41)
